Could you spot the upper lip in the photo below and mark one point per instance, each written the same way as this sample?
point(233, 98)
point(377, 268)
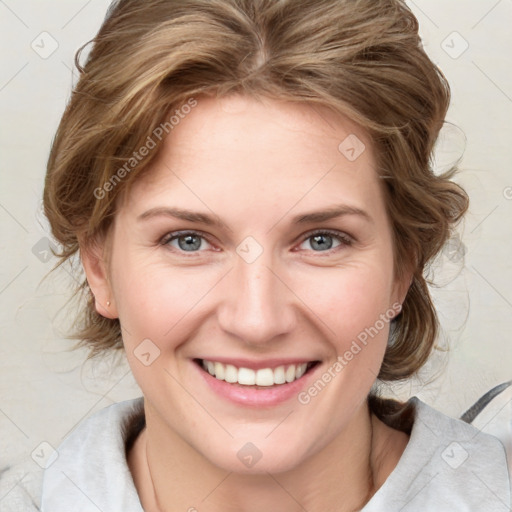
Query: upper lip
point(257, 365)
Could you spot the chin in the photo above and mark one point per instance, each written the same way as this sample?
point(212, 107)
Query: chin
point(245, 457)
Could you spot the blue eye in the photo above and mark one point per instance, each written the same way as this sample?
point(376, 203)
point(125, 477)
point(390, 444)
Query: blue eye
point(187, 241)
point(321, 241)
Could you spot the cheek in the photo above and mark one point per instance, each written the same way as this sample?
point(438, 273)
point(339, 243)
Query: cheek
point(154, 299)
point(159, 309)
point(348, 299)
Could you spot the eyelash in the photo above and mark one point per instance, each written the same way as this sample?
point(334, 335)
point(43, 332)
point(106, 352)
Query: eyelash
point(344, 239)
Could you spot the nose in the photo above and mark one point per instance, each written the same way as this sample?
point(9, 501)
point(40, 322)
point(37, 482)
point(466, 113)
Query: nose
point(257, 306)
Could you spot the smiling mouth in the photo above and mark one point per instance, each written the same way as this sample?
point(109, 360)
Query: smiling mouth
point(263, 377)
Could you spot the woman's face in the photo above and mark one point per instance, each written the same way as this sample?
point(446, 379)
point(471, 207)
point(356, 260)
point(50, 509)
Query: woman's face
point(258, 240)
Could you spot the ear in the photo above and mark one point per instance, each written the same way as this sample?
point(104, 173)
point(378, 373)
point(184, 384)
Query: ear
point(96, 271)
point(401, 288)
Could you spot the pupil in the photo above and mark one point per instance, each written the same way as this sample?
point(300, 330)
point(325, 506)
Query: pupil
point(321, 242)
point(189, 242)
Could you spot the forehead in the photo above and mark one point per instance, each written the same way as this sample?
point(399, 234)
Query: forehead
point(243, 125)
point(264, 150)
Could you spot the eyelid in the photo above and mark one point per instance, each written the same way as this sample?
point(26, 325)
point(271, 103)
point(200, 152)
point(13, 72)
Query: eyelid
point(172, 235)
point(345, 241)
point(344, 238)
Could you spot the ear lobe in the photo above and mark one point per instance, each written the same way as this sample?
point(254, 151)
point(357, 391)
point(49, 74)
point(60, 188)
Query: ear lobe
point(93, 261)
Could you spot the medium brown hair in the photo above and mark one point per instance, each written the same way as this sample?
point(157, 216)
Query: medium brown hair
point(362, 59)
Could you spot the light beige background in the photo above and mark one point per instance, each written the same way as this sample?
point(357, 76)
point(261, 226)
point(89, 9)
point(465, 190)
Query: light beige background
point(46, 390)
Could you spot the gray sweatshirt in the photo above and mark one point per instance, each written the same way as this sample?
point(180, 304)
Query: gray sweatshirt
point(447, 465)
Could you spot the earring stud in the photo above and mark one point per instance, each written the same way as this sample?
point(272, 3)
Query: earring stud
point(108, 303)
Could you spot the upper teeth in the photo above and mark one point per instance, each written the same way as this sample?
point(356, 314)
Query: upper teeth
point(249, 377)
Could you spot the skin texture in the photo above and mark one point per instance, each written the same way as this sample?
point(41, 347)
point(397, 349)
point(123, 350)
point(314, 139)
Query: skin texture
point(255, 166)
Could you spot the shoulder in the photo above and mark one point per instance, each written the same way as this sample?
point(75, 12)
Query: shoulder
point(446, 465)
point(91, 471)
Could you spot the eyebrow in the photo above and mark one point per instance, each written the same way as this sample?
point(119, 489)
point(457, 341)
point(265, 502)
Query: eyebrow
point(331, 213)
point(214, 220)
point(179, 213)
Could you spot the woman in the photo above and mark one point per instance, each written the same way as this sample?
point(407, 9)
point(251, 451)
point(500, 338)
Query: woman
point(248, 185)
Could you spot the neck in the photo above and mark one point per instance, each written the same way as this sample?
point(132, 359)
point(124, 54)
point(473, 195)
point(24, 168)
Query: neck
point(171, 476)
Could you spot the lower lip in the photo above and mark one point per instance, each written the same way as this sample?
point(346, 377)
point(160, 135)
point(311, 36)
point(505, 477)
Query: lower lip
point(257, 396)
